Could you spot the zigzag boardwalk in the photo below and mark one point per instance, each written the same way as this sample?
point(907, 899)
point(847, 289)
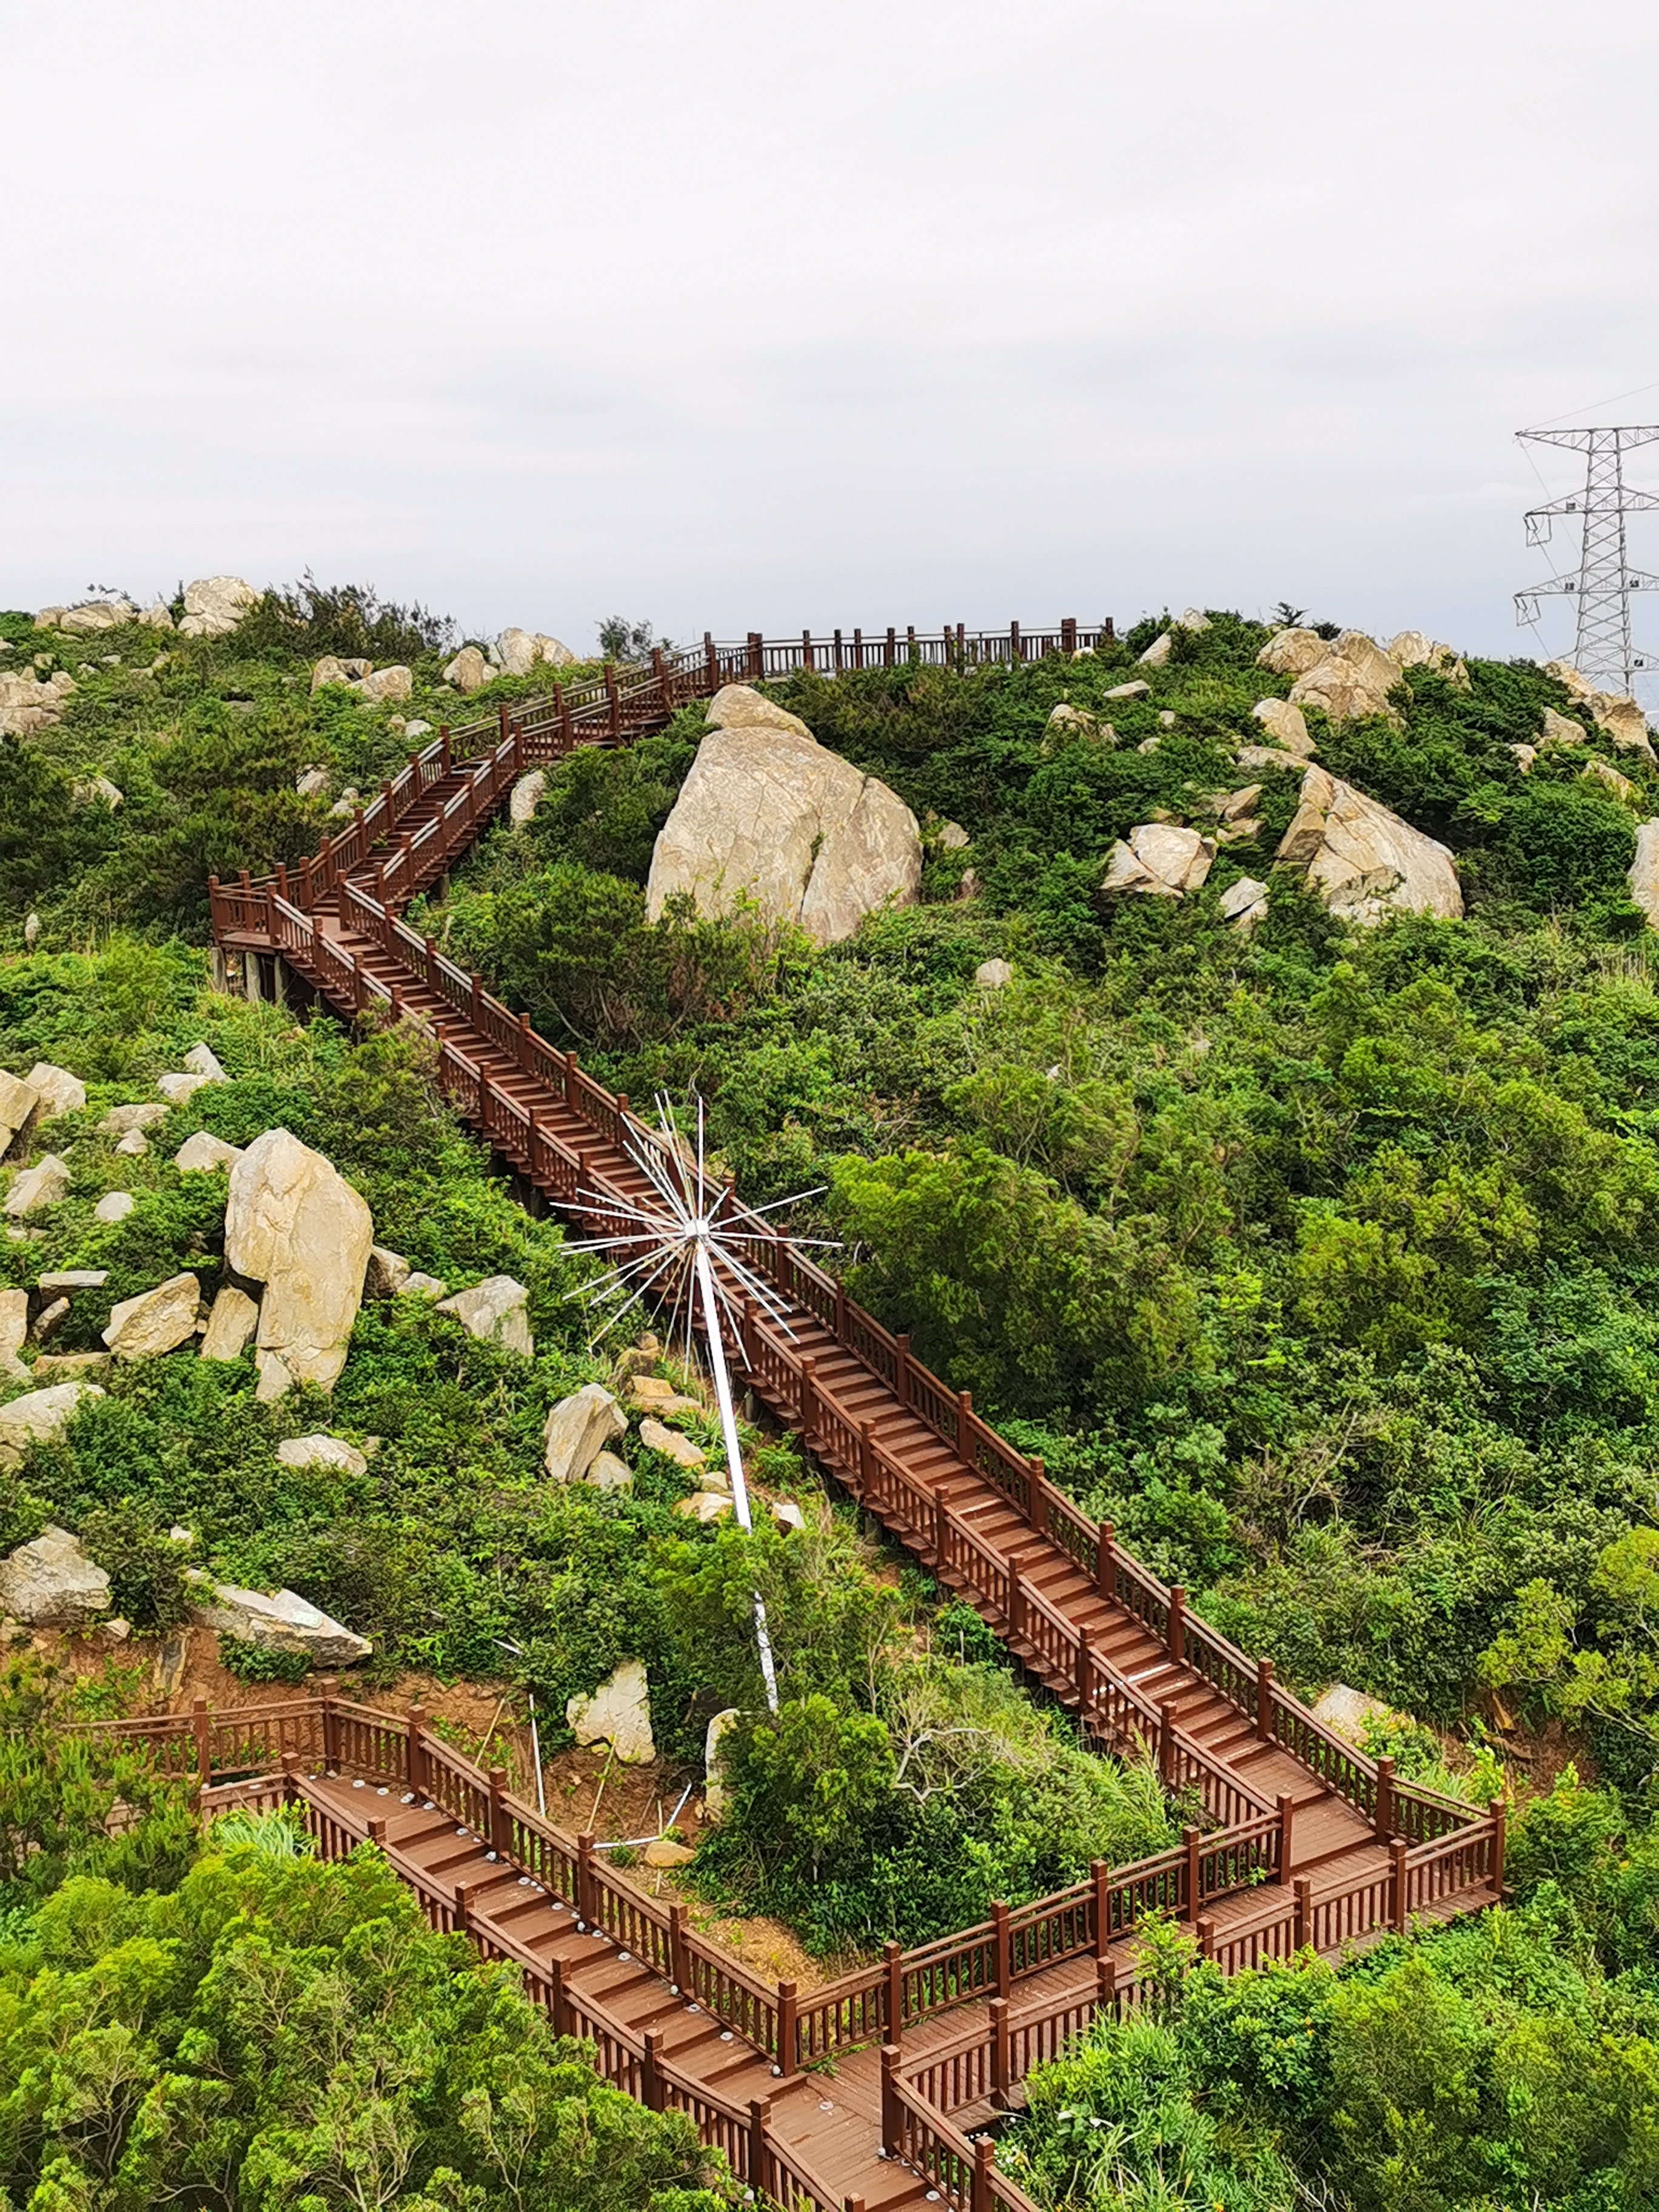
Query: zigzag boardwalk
point(1296, 1839)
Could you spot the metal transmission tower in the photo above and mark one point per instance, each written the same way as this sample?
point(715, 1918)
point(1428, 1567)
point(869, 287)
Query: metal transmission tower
point(1603, 648)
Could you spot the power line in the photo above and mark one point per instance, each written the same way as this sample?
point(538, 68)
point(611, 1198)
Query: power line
point(1601, 586)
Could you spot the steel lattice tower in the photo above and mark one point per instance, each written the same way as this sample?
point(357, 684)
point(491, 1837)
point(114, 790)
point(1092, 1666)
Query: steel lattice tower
point(1604, 648)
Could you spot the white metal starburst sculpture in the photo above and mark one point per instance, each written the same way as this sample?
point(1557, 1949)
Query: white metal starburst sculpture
point(684, 1246)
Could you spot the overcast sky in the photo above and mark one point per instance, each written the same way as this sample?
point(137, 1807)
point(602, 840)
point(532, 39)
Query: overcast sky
point(733, 315)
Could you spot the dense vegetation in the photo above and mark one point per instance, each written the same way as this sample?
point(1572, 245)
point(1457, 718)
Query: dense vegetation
point(240, 2025)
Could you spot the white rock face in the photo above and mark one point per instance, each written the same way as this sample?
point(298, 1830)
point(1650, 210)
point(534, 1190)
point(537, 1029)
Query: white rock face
point(387, 1274)
point(521, 651)
point(578, 1429)
point(27, 704)
point(155, 1322)
point(321, 1450)
point(60, 1091)
point(952, 837)
point(1157, 653)
point(716, 1798)
point(38, 1186)
point(41, 1415)
point(1364, 860)
point(18, 1103)
point(1346, 1711)
point(606, 1472)
point(494, 1311)
point(1160, 860)
point(159, 616)
point(992, 974)
point(14, 1333)
point(526, 797)
point(215, 604)
point(1290, 651)
point(1284, 724)
point(230, 1325)
point(201, 1060)
point(417, 1285)
point(114, 1206)
point(740, 707)
point(1644, 872)
point(771, 813)
point(1244, 903)
point(133, 1145)
point(618, 1713)
point(203, 1153)
point(1623, 720)
point(52, 1582)
point(681, 1450)
point(1412, 649)
point(1353, 679)
point(1140, 688)
point(395, 683)
point(96, 614)
point(282, 1621)
point(1558, 730)
point(1604, 774)
point(295, 1224)
point(120, 1119)
point(469, 671)
point(98, 788)
point(180, 1088)
point(706, 1506)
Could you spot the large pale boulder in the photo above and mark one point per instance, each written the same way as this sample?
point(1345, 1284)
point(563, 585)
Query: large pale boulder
point(606, 1472)
point(322, 1450)
point(60, 1091)
point(51, 1583)
point(395, 683)
point(39, 1416)
point(386, 1273)
point(42, 1185)
point(14, 1333)
point(1353, 679)
point(770, 813)
point(1560, 730)
point(1345, 1711)
point(518, 652)
point(1292, 652)
point(618, 1713)
point(681, 1450)
point(469, 671)
point(155, 1322)
point(526, 797)
point(740, 707)
point(1644, 872)
point(159, 616)
point(231, 1323)
point(1412, 649)
point(1363, 860)
point(715, 1797)
point(96, 615)
point(114, 1206)
point(494, 1312)
point(18, 1103)
point(121, 1121)
point(1160, 860)
point(215, 604)
point(279, 1620)
point(293, 1223)
point(578, 1429)
point(28, 703)
point(1623, 720)
point(203, 1152)
point(1284, 724)
point(1157, 653)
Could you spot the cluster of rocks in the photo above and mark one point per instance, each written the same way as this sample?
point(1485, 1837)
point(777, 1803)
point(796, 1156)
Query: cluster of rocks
point(31, 701)
point(514, 653)
point(373, 686)
point(1352, 675)
point(769, 816)
point(213, 607)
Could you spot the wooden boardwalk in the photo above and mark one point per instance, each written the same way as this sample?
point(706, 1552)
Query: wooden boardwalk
point(1300, 1840)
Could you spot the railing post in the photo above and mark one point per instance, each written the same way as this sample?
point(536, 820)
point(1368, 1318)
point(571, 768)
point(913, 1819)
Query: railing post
point(585, 1879)
point(892, 2125)
point(1383, 1826)
point(1165, 1740)
point(1100, 1874)
point(841, 1311)
point(1068, 635)
point(1400, 1878)
point(867, 1459)
point(902, 1369)
point(1037, 1506)
point(1000, 1947)
point(808, 1395)
point(1106, 1984)
point(1015, 654)
point(1177, 1616)
point(1500, 1817)
point(676, 1973)
point(1264, 1700)
point(999, 2011)
point(857, 647)
point(984, 2160)
point(413, 1766)
point(1016, 1603)
point(1303, 1927)
point(806, 649)
point(558, 2012)
point(788, 2061)
point(377, 1833)
point(762, 2175)
point(651, 2086)
point(1205, 1930)
point(290, 1777)
point(757, 653)
point(1085, 1688)
point(1106, 1562)
point(500, 1825)
point(964, 1426)
point(891, 654)
point(711, 660)
point(460, 1910)
point(894, 1957)
point(572, 1082)
point(749, 1336)
point(327, 1689)
point(941, 1533)
point(1286, 1833)
point(200, 1727)
point(1191, 1841)
point(838, 652)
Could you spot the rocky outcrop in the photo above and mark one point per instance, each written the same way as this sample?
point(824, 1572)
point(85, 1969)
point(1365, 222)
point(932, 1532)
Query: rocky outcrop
point(51, 1583)
point(715, 1795)
point(28, 703)
point(1363, 860)
point(387, 684)
point(38, 1186)
point(1353, 679)
point(1284, 724)
point(1292, 652)
point(94, 615)
point(618, 1713)
point(1160, 860)
point(120, 1119)
point(684, 1453)
point(155, 1322)
point(114, 1206)
point(279, 1620)
point(14, 1333)
point(386, 1273)
point(578, 1429)
point(740, 707)
point(295, 1224)
point(1644, 872)
point(519, 651)
point(769, 812)
point(230, 1325)
point(39, 1416)
point(992, 974)
point(1138, 689)
point(494, 1312)
point(1604, 774)
point(526, 797)
point(1624, 722)
point(59, 1091)
point(1244, 903)
point(321, 1450)
point(97, 790)
point(215, 604)
point(19, 1102)
point(606, 1472)
point(469, 672)
point(1157, 653)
